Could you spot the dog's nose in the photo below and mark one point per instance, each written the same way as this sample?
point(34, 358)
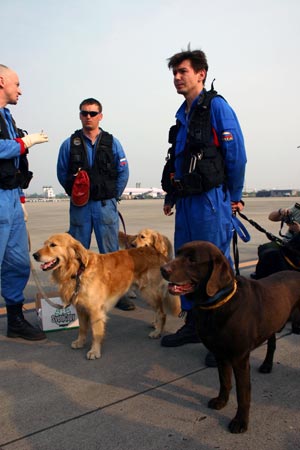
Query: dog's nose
point(165, 271)
point(36, 256)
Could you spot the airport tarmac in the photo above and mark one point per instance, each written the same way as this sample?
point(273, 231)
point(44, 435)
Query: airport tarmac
point(139, 395)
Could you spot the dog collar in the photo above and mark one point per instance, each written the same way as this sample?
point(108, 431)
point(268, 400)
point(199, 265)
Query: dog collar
point(77, 286)
point(215, 298)
point(291, 263)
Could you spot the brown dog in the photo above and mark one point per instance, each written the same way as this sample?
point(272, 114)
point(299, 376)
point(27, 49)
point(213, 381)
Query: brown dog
point(234, 315)
point(94, 282)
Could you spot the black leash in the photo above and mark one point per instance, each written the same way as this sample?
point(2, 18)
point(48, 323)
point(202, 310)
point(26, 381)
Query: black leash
point(269, 235)
point(238, 230)
point(235, 249)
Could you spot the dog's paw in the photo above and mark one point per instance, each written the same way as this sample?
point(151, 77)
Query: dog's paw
point(217, 403)
point(92, 354)
point(77, 344)
point(238, 426)
point(155, 334)
point(265, 368)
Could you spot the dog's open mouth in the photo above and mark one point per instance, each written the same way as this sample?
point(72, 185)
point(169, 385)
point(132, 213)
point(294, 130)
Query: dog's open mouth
point(49, 265)
point(181, 289)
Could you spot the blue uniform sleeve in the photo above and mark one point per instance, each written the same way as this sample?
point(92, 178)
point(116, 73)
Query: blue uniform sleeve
point(230, 137)
point(122, 166)
point(9, 148)
point(63, 162)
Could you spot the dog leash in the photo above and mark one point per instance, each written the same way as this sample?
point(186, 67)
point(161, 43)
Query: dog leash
point(37, 281)
point(269, 235)
point(238, 230)
point(124, 228)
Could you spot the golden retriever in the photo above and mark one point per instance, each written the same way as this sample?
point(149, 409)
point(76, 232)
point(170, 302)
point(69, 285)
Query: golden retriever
point(94, 282)
point(151, 238)
point(147, 238)
point(125, 240)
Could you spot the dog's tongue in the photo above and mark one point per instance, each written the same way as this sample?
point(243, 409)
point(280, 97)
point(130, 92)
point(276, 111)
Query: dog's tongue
point(178, 289)
point(47, 265)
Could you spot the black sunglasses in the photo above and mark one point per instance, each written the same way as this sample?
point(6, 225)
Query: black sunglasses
point(89, 113)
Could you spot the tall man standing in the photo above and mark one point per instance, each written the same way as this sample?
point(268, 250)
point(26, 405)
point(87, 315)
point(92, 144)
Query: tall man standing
point(14, 176)
point(101, 155)
point(206, 169)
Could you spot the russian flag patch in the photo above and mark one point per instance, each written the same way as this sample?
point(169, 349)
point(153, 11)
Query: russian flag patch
point(123, 162)
point(227, 136)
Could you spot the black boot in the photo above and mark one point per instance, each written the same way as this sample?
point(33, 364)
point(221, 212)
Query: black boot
point(185, 335)
point(17, 326)
point(125, 303)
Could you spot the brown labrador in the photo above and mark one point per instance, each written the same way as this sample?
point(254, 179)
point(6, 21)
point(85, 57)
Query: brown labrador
point(234, 315)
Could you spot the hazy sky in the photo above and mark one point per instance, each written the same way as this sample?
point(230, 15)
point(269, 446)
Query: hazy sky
point(116, 51)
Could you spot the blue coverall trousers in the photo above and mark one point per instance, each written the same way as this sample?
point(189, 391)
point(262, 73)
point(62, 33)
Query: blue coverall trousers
point(100, 216)
point(14, 250)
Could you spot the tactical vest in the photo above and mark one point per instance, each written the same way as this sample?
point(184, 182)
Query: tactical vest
point(102, 174)
point(11, 176)
point(203, 164)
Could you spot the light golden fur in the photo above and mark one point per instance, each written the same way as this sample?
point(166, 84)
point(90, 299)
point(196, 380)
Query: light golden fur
point(104, 278)
point(147, 238)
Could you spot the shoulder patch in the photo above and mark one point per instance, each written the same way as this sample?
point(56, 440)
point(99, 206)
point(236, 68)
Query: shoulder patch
point(227, 136)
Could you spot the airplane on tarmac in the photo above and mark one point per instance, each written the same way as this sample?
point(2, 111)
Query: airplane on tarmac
point(139, 193)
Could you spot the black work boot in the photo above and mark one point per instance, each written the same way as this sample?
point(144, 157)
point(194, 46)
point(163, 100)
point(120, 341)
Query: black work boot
point(125, 304)
point(185, 335)
point(17, 326)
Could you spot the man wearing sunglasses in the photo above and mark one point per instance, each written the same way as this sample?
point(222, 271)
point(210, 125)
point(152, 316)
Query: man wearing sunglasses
point(102, 158)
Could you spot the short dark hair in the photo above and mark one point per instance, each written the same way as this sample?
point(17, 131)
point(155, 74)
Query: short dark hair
point(90, 101)
point(196, 57)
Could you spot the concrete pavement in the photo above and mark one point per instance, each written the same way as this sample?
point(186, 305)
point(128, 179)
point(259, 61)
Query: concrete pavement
point(139, 395)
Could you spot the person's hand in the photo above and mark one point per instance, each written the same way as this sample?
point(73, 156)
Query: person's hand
point(168, 210)
point(237, 206)
point(35, 138)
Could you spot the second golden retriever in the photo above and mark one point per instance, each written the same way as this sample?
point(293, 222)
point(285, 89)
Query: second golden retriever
point(147, 238)
point(94, 282)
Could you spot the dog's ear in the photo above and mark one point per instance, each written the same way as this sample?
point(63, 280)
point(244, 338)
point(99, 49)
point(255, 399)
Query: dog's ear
point(159, 244)
point(221, 275)
point(80, 252)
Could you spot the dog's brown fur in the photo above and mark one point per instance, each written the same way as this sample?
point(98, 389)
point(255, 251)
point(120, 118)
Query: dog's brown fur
point(254, 313)
point(103, 279)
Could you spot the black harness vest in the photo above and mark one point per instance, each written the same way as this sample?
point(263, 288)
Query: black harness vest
point(102, 174)
point(203, 165)
point(11, 176)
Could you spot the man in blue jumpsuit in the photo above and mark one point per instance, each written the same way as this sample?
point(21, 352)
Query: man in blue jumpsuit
point(208, 215)
point(14, 176)
point(108, 180)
